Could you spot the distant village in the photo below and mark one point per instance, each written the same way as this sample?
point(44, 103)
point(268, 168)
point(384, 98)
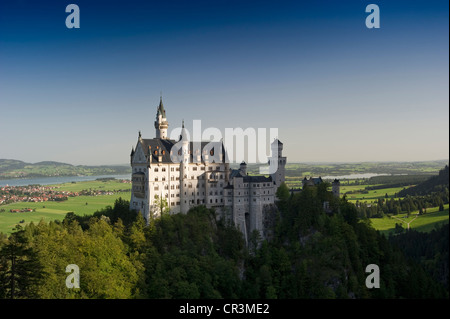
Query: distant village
point(38, 193)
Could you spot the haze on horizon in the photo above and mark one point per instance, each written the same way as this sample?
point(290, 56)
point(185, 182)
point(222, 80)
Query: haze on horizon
point(336, 90)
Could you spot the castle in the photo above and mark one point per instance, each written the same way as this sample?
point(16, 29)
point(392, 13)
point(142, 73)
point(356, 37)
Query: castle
point(200, 175)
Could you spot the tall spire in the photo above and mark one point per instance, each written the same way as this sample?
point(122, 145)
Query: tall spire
point(161, 108)
point(161, 123)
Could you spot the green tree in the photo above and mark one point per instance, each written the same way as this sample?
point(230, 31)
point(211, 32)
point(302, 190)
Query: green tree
point(282, 192)
point(20, 269)
point(161, 206)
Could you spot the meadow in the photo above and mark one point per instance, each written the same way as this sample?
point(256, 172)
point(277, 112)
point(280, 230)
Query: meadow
point(369, 196)
point(423, 223)
point(52, 210)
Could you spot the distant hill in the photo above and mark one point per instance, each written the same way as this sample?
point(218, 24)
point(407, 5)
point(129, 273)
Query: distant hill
point(434, 184)
point(10, 168)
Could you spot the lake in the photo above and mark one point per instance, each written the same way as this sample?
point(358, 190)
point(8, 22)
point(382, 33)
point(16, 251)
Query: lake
point(356, 176)
point(57, 180)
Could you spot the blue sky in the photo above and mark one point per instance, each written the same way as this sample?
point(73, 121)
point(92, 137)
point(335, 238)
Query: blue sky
point(336, 90)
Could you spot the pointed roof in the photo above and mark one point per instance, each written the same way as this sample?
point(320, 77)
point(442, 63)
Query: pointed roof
point(184, 134)
point(161, 108)
point(277, 141)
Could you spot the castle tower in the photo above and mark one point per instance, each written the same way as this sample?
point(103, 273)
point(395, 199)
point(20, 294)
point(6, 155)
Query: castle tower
point(161, 124)
point(243, 168)
point(184, 171)
point(336, 188)
point(277, 158)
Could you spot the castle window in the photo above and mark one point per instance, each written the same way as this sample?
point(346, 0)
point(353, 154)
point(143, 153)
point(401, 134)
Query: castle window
point(202, 168)
point(177, 169)
point(172, 169)
point(156, 178)
point(194, 168)
point(163, 169)
point(156, 169)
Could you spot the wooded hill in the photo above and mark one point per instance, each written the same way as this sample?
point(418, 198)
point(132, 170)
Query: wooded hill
point(434, 184)
point(10, 168)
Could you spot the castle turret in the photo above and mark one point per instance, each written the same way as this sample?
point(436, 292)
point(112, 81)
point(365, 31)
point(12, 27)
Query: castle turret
point(184, 171)
point(278, 162)
point(243, 168)
point(336, 188)
point(161, 124)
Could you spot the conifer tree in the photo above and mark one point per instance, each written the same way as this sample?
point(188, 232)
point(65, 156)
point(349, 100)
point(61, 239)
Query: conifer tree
point(20, 269)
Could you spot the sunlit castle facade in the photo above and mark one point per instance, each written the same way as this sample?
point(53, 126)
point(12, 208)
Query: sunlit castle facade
point(199, 175)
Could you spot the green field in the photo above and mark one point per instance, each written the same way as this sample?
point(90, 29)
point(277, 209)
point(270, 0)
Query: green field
point(372, 196)
point(424, 223)
point(48, 211)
